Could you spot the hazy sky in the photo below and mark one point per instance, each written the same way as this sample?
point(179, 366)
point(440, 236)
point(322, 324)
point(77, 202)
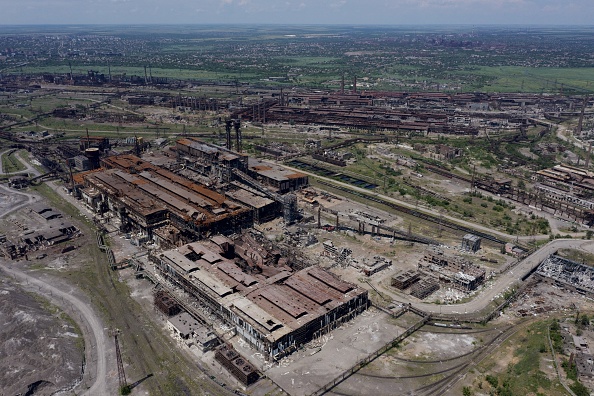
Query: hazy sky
point(525, 12)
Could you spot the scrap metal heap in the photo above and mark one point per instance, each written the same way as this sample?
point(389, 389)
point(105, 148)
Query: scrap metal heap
point(271, 303)
point(567, 273)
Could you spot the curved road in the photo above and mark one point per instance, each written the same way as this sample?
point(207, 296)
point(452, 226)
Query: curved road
point(28, 167)
point(6, 208)
point(502, 281)
point(91, 326)
point(81, 312)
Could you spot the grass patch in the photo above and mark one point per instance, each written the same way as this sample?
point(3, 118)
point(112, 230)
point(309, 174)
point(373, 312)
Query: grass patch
point(11, 164)
point(523, 375)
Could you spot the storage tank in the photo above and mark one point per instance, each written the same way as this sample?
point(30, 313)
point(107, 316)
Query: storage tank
point(93, 155)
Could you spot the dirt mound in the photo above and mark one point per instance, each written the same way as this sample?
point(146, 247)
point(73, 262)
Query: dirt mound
point(41, 352)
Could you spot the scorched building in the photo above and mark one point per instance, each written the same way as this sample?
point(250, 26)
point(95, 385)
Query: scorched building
point(271, 307)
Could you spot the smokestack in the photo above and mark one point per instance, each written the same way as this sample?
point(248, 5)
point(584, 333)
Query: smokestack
point(355, 84)
point(228, 133)
point(581, 120)
point(588, 156)
point(342, 85)
point(237, 126)
point(145, 76)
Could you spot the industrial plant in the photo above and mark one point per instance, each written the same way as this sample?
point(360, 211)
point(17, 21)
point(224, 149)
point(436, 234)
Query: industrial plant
point(296, 211)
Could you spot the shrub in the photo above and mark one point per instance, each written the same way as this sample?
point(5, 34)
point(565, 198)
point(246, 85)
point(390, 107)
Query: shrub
point(492, 380)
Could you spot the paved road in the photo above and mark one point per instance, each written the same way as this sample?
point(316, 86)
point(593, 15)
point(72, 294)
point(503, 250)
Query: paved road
point(563, 133)
point(7, 207)
point(83, 315)
point(484, 298)
point(30, 169)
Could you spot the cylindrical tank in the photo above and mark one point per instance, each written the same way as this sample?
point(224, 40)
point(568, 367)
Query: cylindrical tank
point(93, 155)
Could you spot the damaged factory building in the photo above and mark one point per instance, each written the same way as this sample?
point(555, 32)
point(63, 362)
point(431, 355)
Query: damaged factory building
point(566, 273)
point(271, 186)
point(271, 306)
point(145, 198)
point(457, 271)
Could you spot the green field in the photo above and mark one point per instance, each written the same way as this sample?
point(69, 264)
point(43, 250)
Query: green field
point(525, 79)
point(10, 164)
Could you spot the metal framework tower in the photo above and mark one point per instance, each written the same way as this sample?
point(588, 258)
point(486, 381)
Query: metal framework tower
point(121, 373)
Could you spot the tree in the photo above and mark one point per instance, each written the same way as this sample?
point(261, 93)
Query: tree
point(466, 391)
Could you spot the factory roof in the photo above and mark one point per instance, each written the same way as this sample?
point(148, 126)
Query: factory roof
point(273, 171)
point(279, 303)
point(211, 149)
point(250, 199)
point(147, 189)
point(471, 237)
point(178, 259)
point(185, 324)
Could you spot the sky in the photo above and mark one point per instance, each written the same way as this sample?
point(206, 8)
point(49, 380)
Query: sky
point(364, 12)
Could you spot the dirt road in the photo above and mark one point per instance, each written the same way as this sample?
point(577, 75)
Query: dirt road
point(89, 323)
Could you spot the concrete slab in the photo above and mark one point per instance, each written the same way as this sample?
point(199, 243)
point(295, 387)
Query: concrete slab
point(321, 360)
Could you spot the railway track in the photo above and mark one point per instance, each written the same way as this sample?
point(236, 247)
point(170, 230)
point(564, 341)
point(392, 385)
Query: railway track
point(453, 373)
point(447, 174)
point(442, 386)
point(415, 213)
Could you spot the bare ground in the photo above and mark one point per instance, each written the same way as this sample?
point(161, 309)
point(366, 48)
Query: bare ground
point(41, 349)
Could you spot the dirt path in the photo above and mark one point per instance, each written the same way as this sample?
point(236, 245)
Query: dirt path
point(90, 324)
